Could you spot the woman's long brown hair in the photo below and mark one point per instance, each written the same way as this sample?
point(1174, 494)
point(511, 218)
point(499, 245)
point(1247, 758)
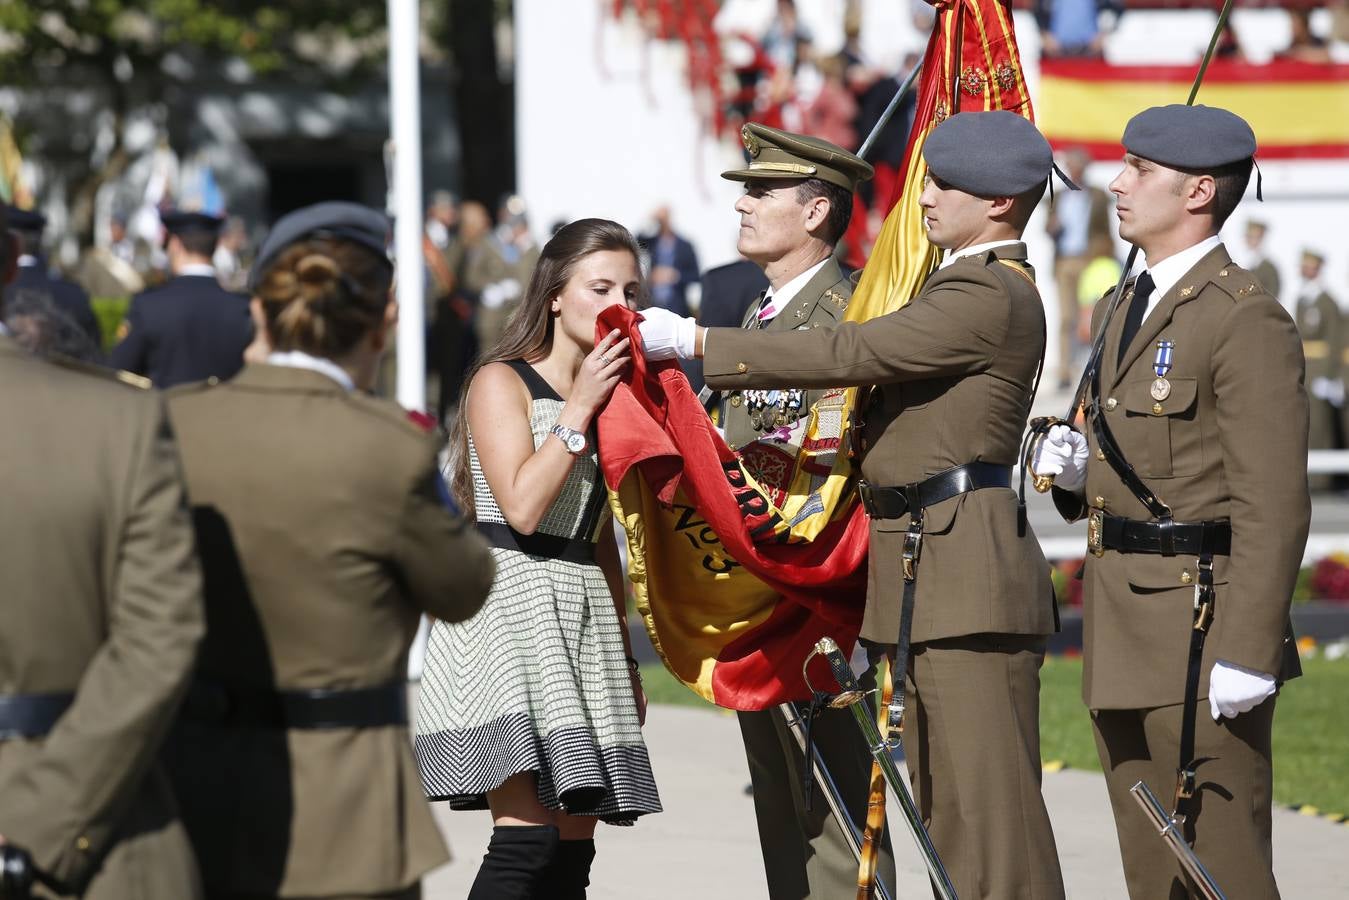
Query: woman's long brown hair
point(529, 333)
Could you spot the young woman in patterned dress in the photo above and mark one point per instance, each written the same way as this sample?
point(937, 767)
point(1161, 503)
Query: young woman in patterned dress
point(533, 707)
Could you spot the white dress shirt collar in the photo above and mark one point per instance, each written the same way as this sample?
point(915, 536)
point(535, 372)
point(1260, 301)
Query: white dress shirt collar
point(1171, 270)
point(26, 261)
point(954, 255)
point(776, 301)
point(298, 359)
point(203, 269)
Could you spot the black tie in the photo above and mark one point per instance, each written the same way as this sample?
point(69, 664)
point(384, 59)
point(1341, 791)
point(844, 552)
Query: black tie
point(1133, 319)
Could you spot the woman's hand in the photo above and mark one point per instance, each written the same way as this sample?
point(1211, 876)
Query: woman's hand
point(600, 371)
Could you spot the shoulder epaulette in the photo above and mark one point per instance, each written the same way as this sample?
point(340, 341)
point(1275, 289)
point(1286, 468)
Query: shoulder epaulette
point(1017, 267)
point(131, 379)
point(1236, 282)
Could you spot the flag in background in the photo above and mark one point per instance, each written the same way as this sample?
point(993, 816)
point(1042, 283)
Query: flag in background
point(735, 579)
point(1298, 110)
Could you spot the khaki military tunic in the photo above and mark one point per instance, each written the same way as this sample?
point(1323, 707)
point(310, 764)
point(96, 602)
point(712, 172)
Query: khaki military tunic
point(1228, 441)
point(1320, 324)
point(953, 372)
point(324, 537)
point(819, 304)
point(103, 599)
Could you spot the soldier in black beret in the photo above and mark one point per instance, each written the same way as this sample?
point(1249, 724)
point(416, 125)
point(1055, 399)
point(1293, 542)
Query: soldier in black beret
point(190, 328)
point(33, 274)
point(1193, 478)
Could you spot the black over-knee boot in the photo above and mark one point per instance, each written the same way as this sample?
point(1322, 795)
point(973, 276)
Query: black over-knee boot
point(517, 857)
point(569, 876)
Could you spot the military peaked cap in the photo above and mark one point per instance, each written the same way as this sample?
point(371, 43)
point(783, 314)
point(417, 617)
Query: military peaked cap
point(333, 219)
point(989, 154)
point(1189, 137)
point(187, 222)
point(781, 154)
point(25, 219)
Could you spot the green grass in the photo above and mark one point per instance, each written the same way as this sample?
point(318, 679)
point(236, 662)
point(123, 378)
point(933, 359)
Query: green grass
point(1311, 729)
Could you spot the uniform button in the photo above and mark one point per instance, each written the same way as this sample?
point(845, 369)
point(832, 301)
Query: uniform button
point(733, 446)
point(741, 367)
point(1100, 454)
point(1156, 409)
point(213, 381)
point(1186, 577)
point(82, 844)
point(1111, 404)
point(736, 401)
point(1100, 503)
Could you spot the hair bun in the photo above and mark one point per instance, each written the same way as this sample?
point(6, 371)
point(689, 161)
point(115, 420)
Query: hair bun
point(319, 277)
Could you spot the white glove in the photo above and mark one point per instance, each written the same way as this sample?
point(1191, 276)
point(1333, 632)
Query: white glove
point(1233, 689)
point(666, 335)
point(1063, 454)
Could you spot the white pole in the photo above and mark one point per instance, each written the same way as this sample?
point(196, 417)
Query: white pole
point(406, 125)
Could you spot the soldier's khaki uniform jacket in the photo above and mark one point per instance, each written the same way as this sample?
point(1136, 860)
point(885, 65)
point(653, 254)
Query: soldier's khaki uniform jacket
point(1319, 324)
point(954, 370)
point(323, 538)
point(103, 599)
point(819, 304)
point(1229, 442)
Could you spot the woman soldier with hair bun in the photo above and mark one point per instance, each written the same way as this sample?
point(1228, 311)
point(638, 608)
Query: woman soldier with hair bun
point(533, 707)
point(325, 532)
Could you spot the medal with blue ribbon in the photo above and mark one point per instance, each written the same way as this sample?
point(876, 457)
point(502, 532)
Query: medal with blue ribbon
point(1161, 388)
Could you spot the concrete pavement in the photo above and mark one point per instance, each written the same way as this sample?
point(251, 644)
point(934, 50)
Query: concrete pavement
point(704, 846)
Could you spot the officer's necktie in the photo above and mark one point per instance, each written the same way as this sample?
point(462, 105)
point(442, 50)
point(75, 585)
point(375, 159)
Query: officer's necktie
point(1133, 319)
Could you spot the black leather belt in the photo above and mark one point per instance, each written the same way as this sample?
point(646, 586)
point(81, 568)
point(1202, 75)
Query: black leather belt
point(1166, 538)
point(229, 706)
point(31, 715)
point(550, 546)
point(893, 502)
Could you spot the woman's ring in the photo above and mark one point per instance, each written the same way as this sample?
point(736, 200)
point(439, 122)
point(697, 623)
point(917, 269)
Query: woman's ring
point(604, 359)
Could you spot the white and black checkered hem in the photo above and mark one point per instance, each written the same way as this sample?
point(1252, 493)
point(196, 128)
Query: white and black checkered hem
point(575, 775)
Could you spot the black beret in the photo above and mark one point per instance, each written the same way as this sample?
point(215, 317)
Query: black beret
point(1189, 137)
point(333, 219)
point(24, 219)
point(183, 222)
point(989, 154)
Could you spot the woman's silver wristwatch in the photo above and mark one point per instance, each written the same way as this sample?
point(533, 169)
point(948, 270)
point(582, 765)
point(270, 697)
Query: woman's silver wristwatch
point(575, 441)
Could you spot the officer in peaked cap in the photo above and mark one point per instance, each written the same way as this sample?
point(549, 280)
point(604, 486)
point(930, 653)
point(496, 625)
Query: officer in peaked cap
point(1197, 508)
point(796, 205)
point(33, 274)
point(189, 328)
point(953, 374)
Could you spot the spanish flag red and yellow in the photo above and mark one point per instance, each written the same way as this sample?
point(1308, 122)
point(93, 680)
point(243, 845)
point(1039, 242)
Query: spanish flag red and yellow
point(735, 579)
point(1298, 110)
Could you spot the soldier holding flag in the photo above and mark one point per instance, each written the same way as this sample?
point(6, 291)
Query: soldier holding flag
point(953, 566)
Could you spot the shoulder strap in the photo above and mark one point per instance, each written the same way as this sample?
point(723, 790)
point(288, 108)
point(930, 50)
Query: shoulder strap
point(539, 389)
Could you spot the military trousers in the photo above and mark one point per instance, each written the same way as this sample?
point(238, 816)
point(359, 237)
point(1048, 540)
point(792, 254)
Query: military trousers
point(1230, 824)
point(805, 853)
point(972, 744)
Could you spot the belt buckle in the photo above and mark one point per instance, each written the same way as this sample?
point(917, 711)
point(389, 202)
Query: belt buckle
point(864, 494)
point(1095, 532)
point(913, 548)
